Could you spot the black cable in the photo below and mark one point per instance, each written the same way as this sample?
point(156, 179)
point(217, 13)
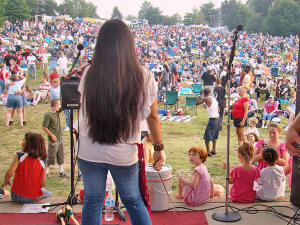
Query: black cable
point(190, 209)
point(5, 202)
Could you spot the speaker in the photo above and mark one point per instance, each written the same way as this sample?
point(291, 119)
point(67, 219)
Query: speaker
point(70, 96)
point(295, 193)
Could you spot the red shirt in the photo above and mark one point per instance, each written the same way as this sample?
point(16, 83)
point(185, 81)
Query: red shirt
point(28, 176)
point(53, 76)
point(238, 108)
point(3, 73)
point(242, 188)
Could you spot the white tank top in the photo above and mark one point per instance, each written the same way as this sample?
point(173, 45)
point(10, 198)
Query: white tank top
point(213, 110)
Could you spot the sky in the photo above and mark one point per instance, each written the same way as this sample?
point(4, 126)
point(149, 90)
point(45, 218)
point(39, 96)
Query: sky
point(169, 7)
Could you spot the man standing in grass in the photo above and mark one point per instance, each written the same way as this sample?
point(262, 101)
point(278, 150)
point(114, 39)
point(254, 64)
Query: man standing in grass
point(212, 127)
point(52, 126)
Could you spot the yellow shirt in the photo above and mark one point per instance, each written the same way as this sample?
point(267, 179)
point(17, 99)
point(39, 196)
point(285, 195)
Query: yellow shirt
point(148, 146)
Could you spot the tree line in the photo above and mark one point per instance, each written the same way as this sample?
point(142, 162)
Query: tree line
point(276, 17)
point(26, 9)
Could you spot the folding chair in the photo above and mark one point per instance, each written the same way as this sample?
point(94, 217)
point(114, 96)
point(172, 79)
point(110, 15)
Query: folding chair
point(171, 99)
point(190, 104)
point(196, 88)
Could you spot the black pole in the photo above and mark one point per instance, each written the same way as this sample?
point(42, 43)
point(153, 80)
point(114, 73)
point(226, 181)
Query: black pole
point(229, 216)
point(72, 155)
point(295, 193)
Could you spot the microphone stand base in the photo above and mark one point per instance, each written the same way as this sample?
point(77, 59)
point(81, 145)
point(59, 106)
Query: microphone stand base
point(226, 217)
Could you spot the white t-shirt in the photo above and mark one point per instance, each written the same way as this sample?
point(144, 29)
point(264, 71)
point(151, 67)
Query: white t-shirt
point(121, 154)
point(62, 62)
point(31, 59)
point(270, 181)
point(15, 87)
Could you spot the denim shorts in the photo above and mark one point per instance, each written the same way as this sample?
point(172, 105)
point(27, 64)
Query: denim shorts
point(237, 121)
point(21, 199)
point(14, 101)
point(24, 100)
point(212, 129)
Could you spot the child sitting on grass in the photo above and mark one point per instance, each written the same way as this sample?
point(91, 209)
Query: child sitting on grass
point(271, 178)
point(198, 190)
point(28, 169)
point(242, 177)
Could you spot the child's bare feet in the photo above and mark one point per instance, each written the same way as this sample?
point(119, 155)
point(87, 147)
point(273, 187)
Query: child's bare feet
point(178, 196)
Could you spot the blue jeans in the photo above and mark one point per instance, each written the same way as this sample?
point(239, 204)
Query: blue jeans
point(32, 69)
point(2, 86)
point(268, 116)
point(126, 179)
point(67, 115)
point(21, 199)
point(52, 64)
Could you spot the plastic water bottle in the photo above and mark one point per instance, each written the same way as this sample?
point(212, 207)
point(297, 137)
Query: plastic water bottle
point(109, 207)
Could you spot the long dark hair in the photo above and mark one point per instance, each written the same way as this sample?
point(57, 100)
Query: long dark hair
point(34, 145)
point(113, 89)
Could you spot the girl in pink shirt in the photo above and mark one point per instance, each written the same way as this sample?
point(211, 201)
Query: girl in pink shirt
point(198, 190)
point(242, 177)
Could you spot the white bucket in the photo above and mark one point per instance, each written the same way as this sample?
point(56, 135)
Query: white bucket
point(159, 187)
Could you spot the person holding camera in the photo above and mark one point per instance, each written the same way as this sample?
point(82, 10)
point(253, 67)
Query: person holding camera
point(275, 131)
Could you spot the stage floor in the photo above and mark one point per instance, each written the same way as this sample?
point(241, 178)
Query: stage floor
point(263, 218)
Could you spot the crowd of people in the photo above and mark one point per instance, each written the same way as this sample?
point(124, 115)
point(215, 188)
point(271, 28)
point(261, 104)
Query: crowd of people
point(263, 75)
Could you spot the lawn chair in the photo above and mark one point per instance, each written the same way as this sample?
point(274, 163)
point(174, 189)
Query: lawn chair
point(190, 105)
point(171, 100)
point(196, 88)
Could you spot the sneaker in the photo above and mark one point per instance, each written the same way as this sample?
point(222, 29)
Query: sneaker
point(66, 129)
point(11, 123)
point(24, 123)
point(213, 153)
point(63, 174)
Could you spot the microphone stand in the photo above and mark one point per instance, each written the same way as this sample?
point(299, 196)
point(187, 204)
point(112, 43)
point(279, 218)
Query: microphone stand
point(229, 216)
point(72, 199)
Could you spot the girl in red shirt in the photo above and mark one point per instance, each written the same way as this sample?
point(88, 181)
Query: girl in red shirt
point(28, 169)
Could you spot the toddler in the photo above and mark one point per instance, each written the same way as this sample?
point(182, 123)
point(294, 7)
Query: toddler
point(252, 138)
point(198, 190)
point(242, 177)
point(252, 129)
point(271, 178)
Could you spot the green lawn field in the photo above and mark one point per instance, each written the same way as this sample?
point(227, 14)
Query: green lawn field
point(178, 137)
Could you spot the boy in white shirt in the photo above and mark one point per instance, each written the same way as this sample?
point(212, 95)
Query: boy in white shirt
point(272, 178)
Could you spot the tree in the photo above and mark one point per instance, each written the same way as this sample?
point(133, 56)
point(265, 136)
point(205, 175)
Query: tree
point(131, 18)
point(260, 6)
point(208, 10)
point(254, 23)
point(17, 10)
point(2, 12)
point(116, 14)
point(234, 13)
point(150, 13)
point(195, 17)
point(283, 18)
point(39, 7)
point(77, 8)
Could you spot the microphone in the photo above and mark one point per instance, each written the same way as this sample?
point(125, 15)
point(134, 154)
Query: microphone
point(239, 28)
point(80, 47)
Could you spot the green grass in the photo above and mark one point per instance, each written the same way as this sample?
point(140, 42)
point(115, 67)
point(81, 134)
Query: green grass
point(177, 137)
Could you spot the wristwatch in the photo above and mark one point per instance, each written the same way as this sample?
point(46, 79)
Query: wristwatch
point(158, 147)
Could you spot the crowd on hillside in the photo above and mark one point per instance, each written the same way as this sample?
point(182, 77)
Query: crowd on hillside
point(264, 70)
